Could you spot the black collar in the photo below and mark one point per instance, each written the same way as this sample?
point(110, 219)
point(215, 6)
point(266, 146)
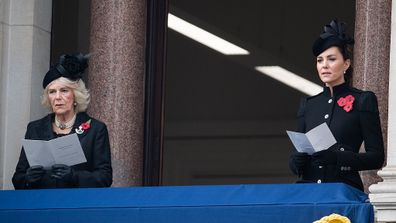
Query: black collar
point(337, 90)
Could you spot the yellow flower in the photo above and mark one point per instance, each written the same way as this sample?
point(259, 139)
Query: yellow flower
point(333, 218)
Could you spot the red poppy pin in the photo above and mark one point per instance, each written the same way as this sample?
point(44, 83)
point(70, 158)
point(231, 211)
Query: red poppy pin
point(346, 103)
point(84, 126)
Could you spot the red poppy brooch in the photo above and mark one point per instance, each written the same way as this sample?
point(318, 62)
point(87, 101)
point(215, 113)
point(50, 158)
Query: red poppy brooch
point(346, 103)
point(83, 127)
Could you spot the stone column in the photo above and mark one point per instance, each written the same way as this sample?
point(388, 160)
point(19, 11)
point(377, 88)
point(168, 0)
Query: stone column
point(25, 37)
point(383, 194)
point(371, 60)
point(116, 82)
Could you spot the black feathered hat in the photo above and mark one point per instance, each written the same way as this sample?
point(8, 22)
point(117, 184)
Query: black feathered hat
point(69, 66)
point(334, 34)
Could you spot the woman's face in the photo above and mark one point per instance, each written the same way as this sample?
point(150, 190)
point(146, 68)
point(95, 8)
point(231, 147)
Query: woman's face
point(331, 66)
point(61, 98)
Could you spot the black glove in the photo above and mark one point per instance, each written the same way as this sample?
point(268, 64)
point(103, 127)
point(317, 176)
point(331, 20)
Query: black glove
point(62, 172)
point(34, 174)
point(300, 160)
point(325, 157)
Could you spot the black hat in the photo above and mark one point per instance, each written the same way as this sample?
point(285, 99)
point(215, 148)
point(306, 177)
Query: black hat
point(333, 35)
point(69, 66)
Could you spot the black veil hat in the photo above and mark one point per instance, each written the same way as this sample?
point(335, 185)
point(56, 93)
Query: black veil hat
point(334, 34)
point(69, 66)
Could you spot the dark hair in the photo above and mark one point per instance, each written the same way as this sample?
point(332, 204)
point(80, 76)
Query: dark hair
point(347, 54)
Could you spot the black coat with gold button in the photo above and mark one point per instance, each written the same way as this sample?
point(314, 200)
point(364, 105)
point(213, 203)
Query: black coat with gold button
point(351, 127)
point(96, 172)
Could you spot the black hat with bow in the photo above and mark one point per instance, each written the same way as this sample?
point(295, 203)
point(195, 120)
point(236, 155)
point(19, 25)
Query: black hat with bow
point(69, 66)
point(334, 34)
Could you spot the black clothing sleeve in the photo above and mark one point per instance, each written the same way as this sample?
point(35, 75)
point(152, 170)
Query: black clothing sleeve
point(19, 178)
point(294, 157)
point(101, 172)
point(373, 157)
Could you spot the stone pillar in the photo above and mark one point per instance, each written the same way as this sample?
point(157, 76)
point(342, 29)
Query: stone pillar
point(25, 37)
point(371, 60)
point(383, 194)
point(116, 82)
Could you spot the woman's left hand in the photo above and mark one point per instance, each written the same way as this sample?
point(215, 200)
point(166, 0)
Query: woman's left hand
point(62, 172)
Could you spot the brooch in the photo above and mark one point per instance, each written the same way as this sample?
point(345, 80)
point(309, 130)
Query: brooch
point(84, 126)
point(346, 103)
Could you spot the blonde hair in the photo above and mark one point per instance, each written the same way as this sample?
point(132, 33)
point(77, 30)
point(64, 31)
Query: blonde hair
point(81, 94)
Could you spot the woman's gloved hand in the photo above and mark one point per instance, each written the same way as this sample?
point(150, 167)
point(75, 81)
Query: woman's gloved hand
point(34, 174)
point(300, 160)
point(62, 172)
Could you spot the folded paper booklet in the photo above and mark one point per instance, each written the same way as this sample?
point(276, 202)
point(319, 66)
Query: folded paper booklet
point(317, 139)
point(63, 150)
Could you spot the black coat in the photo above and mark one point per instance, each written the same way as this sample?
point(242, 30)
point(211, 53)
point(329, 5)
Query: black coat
point(96, 172)
point(350, 129)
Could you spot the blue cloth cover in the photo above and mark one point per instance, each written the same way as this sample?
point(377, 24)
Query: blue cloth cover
point(223, 203)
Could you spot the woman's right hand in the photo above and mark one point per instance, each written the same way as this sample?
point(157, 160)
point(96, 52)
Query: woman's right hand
point(300, 160)
point(34, 174)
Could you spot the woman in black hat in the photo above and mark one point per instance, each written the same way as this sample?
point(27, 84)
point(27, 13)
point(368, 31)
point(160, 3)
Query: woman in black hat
point(67, 98)
point(351, 114)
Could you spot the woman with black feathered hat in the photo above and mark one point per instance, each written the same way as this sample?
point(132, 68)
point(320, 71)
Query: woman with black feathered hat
point(351, 114)
point(67, 98)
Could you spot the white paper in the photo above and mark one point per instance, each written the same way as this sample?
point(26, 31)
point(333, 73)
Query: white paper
point(301, 142)
point(317, 139)
point(63, 150)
